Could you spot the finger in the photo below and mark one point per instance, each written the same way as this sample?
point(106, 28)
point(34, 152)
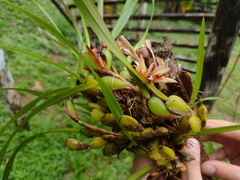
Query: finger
point(220, 170)
point(219, 154)
point(193, 167)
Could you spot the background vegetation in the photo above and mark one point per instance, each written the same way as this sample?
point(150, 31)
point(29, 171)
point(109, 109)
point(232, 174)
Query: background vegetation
point(47, 157)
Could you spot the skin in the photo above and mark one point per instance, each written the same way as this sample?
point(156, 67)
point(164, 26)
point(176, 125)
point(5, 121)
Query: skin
point(230, 149)
point(214, 167)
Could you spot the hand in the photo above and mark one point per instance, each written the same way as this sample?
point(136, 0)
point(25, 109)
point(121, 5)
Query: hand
point(230, 149)
point(193, 167)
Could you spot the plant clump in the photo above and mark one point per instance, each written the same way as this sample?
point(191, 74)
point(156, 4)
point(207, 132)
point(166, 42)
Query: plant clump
point(153, 125)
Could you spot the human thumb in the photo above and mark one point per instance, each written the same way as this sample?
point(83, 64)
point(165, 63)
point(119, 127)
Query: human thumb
point(193, 167)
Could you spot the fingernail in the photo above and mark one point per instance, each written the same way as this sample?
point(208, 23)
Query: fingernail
point(193, 145)
point(208, 170)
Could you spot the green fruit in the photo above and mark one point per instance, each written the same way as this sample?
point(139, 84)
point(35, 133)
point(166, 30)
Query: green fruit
point(177, 105)
point(129, 123)
point(195, 124)
point(157, 107)
point(167, 152)
point(98, 142)
point(202, 113)
point(76, 145)
point(147, 133)
point(125, 74)
point(97, 114)
point(113, 82)
point(110, 149)
point(154, 155)
point(159, 131)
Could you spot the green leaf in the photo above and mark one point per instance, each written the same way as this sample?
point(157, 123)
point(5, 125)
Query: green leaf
point(128, 10)
point(49, 102)
point(30, 91)
point(49, 61)
point(90, 13)
point(29, 106)
point(200, 61)
point(47, 26)
point(112, 103)
point(141, 173)
point(28, 140)
point(139, 43)
point(216, 130)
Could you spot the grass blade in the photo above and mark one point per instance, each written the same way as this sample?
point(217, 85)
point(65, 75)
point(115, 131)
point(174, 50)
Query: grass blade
point(141, 173)
point(128, 10)
point(216, 130)
point(200, 61)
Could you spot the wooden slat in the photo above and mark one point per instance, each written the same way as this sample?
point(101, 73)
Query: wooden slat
point(164, 29)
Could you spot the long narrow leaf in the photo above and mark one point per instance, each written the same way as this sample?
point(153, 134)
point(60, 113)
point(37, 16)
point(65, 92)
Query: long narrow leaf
point(28, 107)
point(49, 102)
point(216, 130)
point(49, 61)
point(112, 103)
point(200, 61)
point(47, 15)
point(90, 13)
point(139, 43)
point(24, 143)
point(141, 173)
point(46, 25)
point(128, 10)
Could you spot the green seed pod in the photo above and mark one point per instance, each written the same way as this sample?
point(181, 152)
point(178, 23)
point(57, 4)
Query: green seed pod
point(157, 107)
point(184, 126)
point(108, 118)
point(202, 113)
point(102, 103)
point(125, 74)
point(90, 134)
point(95, 90)
point(129, 123)
point(113, 83)
point(195, 124)
point(159, 131)
point(110, 149)
point(154, 155)
point(136, 136)
point(177, 105)
point(121, 141)
point(97, 114)
point(167, 152)
point(98, 142)
point(164, 163)
point(76, 145)
point(147, 133)
point(153, 143)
